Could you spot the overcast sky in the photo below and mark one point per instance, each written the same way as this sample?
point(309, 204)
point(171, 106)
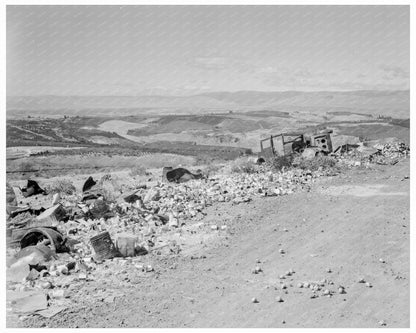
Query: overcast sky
point(131, 50)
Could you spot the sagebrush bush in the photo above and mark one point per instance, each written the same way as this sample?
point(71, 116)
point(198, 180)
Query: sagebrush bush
point(316, 163)
point(26, 166)
point(280, 162)
point(61, 186)
point(110, 187)
point(211, 169)
point(137, 171)
point(243, 165)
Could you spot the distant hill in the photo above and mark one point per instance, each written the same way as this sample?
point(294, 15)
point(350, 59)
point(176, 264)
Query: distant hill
point(386, 103)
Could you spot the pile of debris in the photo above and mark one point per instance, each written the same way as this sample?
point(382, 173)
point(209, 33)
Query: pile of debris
point(365, 155)
point(144, 213)
point(390, 153)
point(56, 242)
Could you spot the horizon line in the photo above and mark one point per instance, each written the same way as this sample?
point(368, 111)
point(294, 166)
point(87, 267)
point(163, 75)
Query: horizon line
point(222, 91)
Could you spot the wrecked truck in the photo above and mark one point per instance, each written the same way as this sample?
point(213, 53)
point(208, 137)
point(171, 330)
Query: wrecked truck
point(286, 144)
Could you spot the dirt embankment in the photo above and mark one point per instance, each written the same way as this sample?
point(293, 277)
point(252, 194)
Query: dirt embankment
point(351, 227)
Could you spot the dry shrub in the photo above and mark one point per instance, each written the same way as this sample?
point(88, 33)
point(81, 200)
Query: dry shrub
point(243, 165)
point(26, 166)
point(61, 186)
point(110, 187)
point(316, 163)
point(137, 171)
point(160, 160)
point(211, 169)
point(280, 162)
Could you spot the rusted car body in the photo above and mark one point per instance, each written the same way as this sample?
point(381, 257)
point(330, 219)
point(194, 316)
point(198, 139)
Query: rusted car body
point(285, 144)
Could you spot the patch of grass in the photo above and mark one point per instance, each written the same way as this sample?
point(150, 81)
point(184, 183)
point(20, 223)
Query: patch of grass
point(243, 165)
point(61, 186)
point(211, 169)
point(137, 171)
point(54, 165)
point(316, 163)
point(111, 187)
point(26, 166)
point(280, 162)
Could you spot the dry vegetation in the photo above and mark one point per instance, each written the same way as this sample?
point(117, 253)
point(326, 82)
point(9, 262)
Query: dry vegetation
point(49, 166)
point(61, 186)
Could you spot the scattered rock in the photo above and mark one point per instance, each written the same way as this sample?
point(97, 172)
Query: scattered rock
point(341, 290)
point(382, 323)
point(257, 270)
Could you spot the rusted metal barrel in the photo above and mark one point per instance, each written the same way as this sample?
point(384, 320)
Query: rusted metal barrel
point(103, 246)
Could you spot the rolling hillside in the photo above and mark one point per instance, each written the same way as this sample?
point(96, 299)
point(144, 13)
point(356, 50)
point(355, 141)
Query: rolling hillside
point(386, 103)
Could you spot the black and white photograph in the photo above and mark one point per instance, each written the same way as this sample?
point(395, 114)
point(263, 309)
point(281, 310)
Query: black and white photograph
point(204, 165)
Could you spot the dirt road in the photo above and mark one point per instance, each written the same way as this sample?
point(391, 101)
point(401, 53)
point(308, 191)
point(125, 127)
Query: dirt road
point(339, 231)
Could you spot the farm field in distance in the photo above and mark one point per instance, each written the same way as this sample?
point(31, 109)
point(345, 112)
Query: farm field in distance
point(232, 129)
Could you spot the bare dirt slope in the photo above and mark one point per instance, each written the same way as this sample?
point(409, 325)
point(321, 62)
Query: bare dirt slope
point(347, 223)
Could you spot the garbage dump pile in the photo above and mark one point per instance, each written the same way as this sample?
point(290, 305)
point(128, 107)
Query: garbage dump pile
point(57, 242)
point(383, 154)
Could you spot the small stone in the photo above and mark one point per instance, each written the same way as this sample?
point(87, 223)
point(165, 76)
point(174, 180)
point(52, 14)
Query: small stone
point(362, 280)
point(288, 273)
point(44, 273)
point(254, 300)
point(327, 292)
point(46, 285)
point(306, 284)
point(279, 299)
point(368, 285)
point(54, 273)
point(300, 285)
point(257, 270)
point(58, 294)
point(62, 269)
point(33, 275)
point(283, 286)
point(214, 227)
point(149, 268)
point(341, 290)
point(281, 251)
point(328, 270)
point(382, 323)
point(382, 260)
point(282, 277)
